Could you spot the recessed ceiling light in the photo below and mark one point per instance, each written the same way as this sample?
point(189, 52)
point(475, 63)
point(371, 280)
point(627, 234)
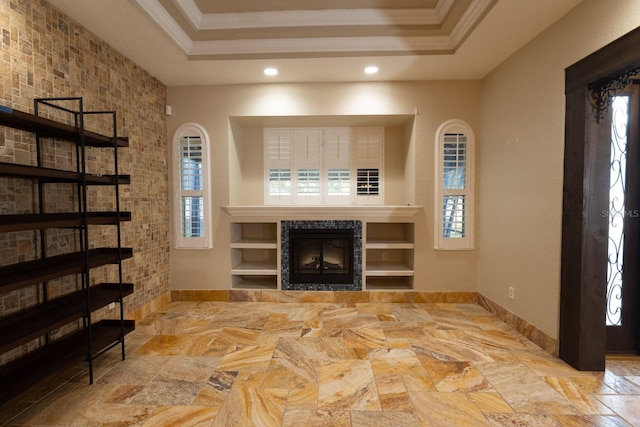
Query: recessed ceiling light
point(271, 71)
point(372, 69)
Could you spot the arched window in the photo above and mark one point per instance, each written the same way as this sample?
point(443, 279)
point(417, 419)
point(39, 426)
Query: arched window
point(454, 186)
point(192, 205)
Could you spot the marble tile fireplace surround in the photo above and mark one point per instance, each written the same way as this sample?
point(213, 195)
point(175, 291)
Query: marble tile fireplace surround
point(347, 232)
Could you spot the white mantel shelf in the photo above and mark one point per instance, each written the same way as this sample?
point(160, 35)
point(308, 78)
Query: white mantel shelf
point(332, 212)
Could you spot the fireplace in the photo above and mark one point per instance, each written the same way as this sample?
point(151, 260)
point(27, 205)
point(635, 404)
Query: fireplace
point(321, 255)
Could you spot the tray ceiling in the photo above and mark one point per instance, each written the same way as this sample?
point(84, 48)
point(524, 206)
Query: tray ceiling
point(196, 42)
point(218, 29)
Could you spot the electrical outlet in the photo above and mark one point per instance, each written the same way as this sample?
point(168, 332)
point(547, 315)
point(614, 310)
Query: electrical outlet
point(385, 256)
point(112, 306)
point(511, 293)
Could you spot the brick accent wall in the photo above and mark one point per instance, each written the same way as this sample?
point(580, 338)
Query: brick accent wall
point(46, 54)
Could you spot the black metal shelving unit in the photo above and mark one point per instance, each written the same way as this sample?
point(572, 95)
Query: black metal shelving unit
point(91, 339)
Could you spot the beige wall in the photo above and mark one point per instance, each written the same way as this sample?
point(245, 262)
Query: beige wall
point(521, 160)
point(436, 102)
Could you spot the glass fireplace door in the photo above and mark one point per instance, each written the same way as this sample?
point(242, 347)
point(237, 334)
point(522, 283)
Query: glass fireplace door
point(320, 257)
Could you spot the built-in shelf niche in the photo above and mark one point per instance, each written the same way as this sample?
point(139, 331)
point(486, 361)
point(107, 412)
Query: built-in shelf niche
point(254, 255)
point(389, 256)
point(246, 162)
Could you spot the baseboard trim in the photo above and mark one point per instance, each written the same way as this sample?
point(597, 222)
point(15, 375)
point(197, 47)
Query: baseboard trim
point(535, 335)
point(150, 307)
point(240, 295)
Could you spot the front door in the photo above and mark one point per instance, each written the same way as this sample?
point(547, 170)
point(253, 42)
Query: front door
point(623, 272)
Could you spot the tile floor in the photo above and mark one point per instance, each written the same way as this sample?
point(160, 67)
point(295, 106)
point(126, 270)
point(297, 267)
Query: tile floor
point(328, 364)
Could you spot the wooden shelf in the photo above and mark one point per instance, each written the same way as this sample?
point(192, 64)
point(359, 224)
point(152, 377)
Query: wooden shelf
point(254, 244)
point(58, 220)
point(386, 283)
point(255, 268)
point(57, 175)
point(388, 269)
point(22, 327)
point(63, 353)
point(34, 323)
point(254, 282)
point(16, 276)
point(50, 128)
point(389, 244)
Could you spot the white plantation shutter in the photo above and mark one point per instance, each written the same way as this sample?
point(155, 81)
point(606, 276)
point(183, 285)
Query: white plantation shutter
point(454, 191)
point(192, 204)
point(279, 147)
point(307, 146)
point(337, 159)
point(279, 182)
point(278, 157)
point(337, 166)
point(337, 147)
point(369, 146)
point(338, 182)
point(454, 186)
point(368, 181)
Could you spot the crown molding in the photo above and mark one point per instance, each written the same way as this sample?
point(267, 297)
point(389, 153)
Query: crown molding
point(313, 18)
point(327, 45)
point(160, 15)
point(471, 17)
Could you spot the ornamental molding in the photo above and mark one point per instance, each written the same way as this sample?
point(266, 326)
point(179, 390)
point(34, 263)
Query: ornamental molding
point(601, 93)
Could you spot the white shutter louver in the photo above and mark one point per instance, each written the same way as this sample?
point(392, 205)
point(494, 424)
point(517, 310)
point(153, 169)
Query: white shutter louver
point(369, 150)
point(191, 179)
point(278, 153)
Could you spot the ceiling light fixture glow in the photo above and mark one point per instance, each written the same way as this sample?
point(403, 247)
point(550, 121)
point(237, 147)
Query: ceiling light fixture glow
point(271, 71)
point(372, 69)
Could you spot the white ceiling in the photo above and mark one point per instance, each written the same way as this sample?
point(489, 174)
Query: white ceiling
point(201, 42)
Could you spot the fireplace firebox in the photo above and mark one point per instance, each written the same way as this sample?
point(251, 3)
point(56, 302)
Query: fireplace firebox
point(321, 256)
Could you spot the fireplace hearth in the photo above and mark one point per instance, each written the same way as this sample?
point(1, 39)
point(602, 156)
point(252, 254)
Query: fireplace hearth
point(321, 255)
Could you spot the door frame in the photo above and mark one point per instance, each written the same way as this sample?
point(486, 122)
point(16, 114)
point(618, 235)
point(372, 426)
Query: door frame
point(589, 85)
